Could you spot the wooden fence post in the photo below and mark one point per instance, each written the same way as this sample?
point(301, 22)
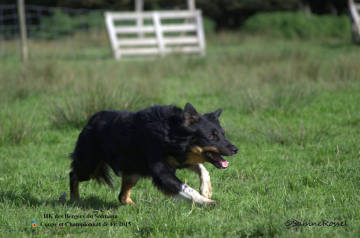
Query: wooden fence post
point(191, 5)
point(23, 34)
point(200, 32)
point(139, 7)
point(159, 33)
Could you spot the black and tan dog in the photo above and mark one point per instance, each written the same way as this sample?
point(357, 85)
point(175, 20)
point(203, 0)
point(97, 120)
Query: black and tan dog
point(153, 142)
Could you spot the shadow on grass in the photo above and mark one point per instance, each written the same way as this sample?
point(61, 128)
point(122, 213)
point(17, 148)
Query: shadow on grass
point(26, 199)
point(146, 231)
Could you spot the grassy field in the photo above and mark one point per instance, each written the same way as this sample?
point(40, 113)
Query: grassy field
point(291, 107)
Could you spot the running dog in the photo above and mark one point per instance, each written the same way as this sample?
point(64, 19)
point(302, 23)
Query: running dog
point(153, 142)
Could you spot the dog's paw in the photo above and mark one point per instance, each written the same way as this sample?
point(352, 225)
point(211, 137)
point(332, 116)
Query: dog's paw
point(126, 201)
point(130, 203)
point(212, 203)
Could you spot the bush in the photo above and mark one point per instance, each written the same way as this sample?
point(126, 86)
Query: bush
point(209, 25)
point(297, 25)
point(61, 24)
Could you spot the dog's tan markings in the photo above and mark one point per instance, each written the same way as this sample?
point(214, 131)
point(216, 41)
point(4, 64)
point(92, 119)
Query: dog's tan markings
point(196, 149)
point(205, 184)
point(210, 149)
point(215, 132)
point(172, 162)
point(194, 158)
point(126, 184)
point(74, 194)
point(195, 155)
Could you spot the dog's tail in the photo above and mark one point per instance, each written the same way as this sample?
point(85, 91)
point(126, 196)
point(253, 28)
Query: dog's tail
point(103, 175)
point(85, 171)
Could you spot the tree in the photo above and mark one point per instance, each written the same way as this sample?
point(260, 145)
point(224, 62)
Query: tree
point(232, 13)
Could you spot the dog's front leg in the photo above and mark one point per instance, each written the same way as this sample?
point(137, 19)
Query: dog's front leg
point(191, 195)
point(165, 179)
point(205, 184)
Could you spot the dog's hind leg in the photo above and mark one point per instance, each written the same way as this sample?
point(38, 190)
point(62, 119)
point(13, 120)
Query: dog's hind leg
point(205, 184)
point(128, 181)
point(80, 173)
point(74, 186)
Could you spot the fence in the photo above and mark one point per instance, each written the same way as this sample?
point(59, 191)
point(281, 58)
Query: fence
point(55, 32)
point(355, 26)
point(156, 33)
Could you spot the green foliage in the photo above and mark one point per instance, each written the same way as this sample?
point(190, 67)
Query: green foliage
point(58, 25)
point(61, 24)
point(297, 25)
point(209, 25)
point(231, 14)
point(92, 20)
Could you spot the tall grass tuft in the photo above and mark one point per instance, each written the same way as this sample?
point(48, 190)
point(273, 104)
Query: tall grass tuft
point(275, 132)
point(278, 97)
point(28, 80)
point(16, 131)
point(76, 109)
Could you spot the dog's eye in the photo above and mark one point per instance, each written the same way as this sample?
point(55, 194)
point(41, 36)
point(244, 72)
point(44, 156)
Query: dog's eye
point(223, 132)
point(212, 137)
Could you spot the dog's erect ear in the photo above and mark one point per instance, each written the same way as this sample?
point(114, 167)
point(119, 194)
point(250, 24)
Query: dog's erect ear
point(190, 109)
point(217, 113)
point(213, 116)
point(190, 114)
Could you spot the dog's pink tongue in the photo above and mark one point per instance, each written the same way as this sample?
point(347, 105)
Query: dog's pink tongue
point(224, 163)
point(221, 160)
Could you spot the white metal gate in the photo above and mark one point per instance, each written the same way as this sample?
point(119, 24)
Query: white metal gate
point(155, 32)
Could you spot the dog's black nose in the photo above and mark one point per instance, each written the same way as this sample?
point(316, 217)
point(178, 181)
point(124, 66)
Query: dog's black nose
point(234, 150)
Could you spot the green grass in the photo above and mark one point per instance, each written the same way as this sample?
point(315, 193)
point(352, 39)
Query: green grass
point(292, 108)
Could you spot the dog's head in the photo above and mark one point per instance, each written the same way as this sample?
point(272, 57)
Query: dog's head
point(208, 142)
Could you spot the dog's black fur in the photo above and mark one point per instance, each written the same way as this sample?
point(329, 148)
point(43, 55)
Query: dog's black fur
point(152, 142)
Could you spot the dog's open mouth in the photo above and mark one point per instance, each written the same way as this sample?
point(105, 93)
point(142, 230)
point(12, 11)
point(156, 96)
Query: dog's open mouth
point(216, 160)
